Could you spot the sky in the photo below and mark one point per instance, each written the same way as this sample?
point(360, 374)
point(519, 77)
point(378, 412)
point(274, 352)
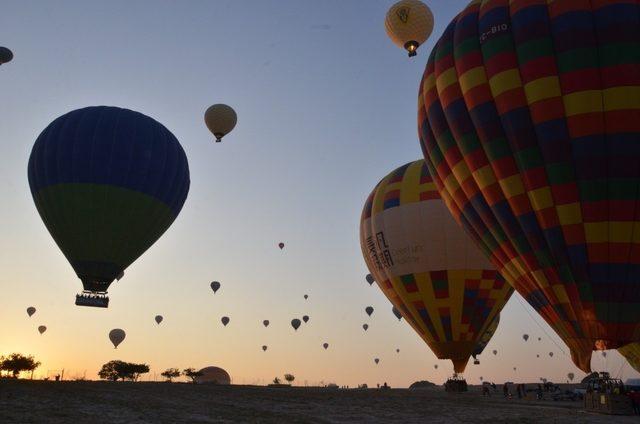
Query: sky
point(326, 107)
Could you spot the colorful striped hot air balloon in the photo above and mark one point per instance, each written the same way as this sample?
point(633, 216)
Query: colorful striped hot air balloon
point(107, 182)
point(529, 119)
point(427, 266)
point(631, 352)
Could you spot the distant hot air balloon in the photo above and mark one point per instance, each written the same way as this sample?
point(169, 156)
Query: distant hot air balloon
point(6, 55)
point(31, 310)
point(325, 345)
point(215, 285)
point(533, 150)
point(42, 329)
point(295, 323)
point(159, 319)
point(265, 322)
point(220, 119)
point(264, 348)
point(225, 321)
point(396, 312)
point(435, 366)
point(485, 338)
point(409, 24)
point(570, 376)
point(537, 356)
point(525, 337)
point(481, 378)
point(306, 296)
point(427, 266)
point(116, 336)
point(281, 245)
point(305, 319)
point(365, 326)
point(368, 310)
point(107, 182)
point(495, 352)
point(370, 279)
point(551, 354)
point(631, 353)
point(539, 338)
point(514, 368)
point(376, 361)
point(604, 354)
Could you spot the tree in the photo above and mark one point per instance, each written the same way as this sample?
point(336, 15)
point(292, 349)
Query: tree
point(276, 380)
point(191, 373)
point(116, 369)
point(289, 378)
point(171, 373)
point(17, 362)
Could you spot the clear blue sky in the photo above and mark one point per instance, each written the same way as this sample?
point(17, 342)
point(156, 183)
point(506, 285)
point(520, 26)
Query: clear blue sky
point(326, 107)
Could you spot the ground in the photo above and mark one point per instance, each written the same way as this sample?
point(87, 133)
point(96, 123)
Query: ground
point(26, 401)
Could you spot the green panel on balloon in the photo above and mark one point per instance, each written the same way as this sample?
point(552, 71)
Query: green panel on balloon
point(102, 223)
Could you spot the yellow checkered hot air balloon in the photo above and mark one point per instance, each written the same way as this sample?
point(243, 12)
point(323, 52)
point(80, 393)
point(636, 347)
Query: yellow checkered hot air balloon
point(631, 352)
point(427, 266)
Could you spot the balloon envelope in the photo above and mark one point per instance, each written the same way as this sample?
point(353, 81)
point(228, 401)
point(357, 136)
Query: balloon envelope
point(305, 319)
point(409, 24)
point(281, 246)
point(215, 285)
point(486, 337)
point(306, 296)
point(376, 360)
point(295, 323)
point(158, 319)
point(31, 310)
point(570, 376)
point(370, 279)
point(427, 266)
point(396, 312)
point(107, 182)
point(631, 353)
point(368, 310)
point(365, 326)
point(535, 152)
point(225, 321)
point(525, 337)
point(325, 345)
point(117, 336)
point(42, 329)
point(264, 348)
point(220, 119)
point(6, 55)
point(265, 322)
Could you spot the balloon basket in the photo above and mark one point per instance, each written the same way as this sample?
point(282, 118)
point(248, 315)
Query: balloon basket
point(96, 300)
point(456, 385)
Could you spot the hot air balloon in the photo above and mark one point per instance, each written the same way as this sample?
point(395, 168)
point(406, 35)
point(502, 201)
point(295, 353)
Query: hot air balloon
point(631, 353)
point(525, 337)
point(514, 368)
point(221, 120)
point(370, 279)
point(397, 350)
point(396, 312)
point(264, 348)
point(368, 310)
point(537, 356)
point(31, 310)
point(426, 265)
point(265, 322)
point(376, 361)
point(435, 366)
point(551, 354)
point(281, 245)
point(305, 319)
point(539, 338)
point(365, 326)
point(495, 352)
point(225, 321)
point(116, 336)
point(6, 55)
point(215, 285)
point(534, 151)
point(295, 323)
point(485, 338)
point(107, 182)
point(42, 329)
point(570, 376)
point(409, 24)
point(325, 345)
point(604, 354)
point(306, 296)
point(158, 319)
point(481, 378)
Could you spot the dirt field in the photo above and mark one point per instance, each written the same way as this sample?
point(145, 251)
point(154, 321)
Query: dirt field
point(102, 402)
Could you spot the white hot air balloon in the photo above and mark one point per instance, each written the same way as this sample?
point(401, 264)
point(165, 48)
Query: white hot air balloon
point(409, 24)
point(116, 336)
point(220, 119)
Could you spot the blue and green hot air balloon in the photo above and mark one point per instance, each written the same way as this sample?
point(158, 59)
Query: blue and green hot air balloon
point(107, 182)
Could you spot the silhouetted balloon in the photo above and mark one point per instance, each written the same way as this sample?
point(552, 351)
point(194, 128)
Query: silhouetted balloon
point(495, 352)
point(31, 310)
point(325, 345)
point(570, 376)
point(604, 354)
point(306, 296)
point(295, 323)
point(281, 246)
point(396, 312)
point(264, 348)
point(537, 356)
point(525, 337)
point(435, 366)
point(107, 182)
point(397, 350)
point(42, 329)
point(117, 336)
point(539, 338)
point(365, 326)
point(225, 321)
point(514, 368)
point(305, 319)
point(265, 322)
point(368, 310)
point(370, 279)
point(376, 360)
point(220, 119)
point(631, 353)
point(409, 24)
point(480, 378)
point(215, 286)
point(159, 319)
point(6, 55)
point(551, 354)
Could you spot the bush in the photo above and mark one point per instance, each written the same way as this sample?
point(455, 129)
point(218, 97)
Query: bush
point(421, 384)
point(116, 369)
